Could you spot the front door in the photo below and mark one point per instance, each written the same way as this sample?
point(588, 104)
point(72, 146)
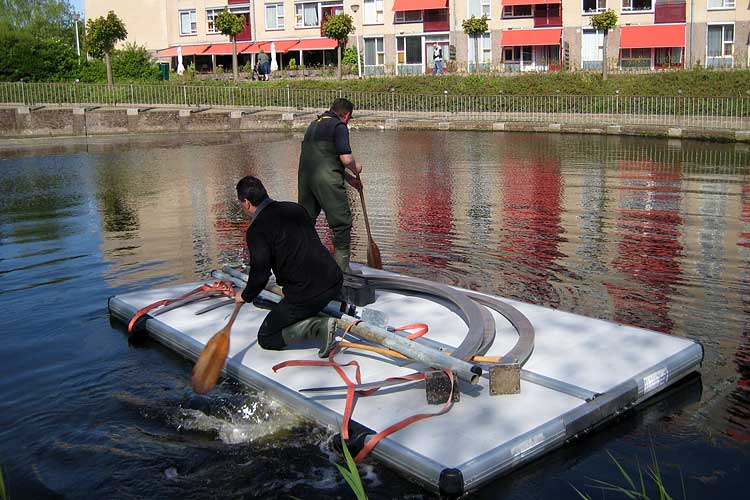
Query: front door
point(591, 49)
point(444, 45)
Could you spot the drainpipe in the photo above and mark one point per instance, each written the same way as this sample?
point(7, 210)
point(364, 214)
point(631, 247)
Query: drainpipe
point(690, 54)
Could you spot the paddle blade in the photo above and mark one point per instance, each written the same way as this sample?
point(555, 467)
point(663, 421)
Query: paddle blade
point(208, 367)
point(373, 255)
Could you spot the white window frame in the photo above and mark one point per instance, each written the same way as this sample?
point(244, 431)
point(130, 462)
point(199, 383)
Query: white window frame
point(379, 51)
point(509, 12)
point(484, 48)
point(299, 17)
point(724, 42)
point(485, 9)
point(628, 9)
point(211, 14)
point(279, 15)
point(404, 51)
point(400, 17)
point(192, 19)
point(726, 5)
point(601, 6)
point(376, 12)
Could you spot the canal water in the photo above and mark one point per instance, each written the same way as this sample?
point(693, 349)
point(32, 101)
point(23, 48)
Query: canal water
point(647, 232)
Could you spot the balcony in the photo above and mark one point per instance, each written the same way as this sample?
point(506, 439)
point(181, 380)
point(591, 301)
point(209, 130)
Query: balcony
point(547, 15)
point(669, 11)
point(436, 20)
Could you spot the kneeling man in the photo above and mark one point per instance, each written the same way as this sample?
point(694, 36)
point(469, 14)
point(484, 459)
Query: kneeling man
point(282, 239)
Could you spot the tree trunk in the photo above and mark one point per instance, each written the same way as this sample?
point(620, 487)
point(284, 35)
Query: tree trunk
point(108, 64)
point(338, 68)
point(604, 57)
point(235, 69)
point(476, 54)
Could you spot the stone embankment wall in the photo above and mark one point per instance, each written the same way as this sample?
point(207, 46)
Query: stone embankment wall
point(61, 121)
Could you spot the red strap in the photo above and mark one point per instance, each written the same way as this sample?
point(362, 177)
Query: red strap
point(421, 328)
point(225, 288)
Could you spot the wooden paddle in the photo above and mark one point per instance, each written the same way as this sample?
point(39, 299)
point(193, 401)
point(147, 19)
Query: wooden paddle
point(208, 367)
point(373, 252)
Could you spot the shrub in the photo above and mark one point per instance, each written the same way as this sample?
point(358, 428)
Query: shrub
point(31, 59)
point(134, 62)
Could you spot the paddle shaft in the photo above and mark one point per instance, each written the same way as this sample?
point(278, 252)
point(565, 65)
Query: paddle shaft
point(373, 252)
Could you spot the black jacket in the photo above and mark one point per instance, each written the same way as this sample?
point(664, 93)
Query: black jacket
point(282, 239)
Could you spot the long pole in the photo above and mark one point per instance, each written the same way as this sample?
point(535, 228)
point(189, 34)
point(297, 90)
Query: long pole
point(78, 45)
point(359, 56)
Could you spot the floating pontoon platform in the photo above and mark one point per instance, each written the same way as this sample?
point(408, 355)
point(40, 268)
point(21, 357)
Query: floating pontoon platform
point(577, 373)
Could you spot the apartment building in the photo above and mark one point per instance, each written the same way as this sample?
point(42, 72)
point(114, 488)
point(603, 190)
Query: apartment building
point(396, 36)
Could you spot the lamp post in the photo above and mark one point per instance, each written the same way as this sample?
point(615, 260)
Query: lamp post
point(355, 8)
point(76, 17)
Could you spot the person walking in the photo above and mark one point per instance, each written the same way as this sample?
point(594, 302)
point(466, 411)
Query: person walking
point(282, 239)
point(437, 60)
point(265, 64)
point(325, 164)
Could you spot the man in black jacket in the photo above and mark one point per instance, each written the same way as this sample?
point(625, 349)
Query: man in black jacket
point(282, 239)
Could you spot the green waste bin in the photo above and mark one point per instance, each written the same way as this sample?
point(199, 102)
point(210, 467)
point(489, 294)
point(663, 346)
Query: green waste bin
point(164, 67)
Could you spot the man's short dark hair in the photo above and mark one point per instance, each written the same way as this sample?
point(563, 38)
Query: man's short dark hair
point(251, 189)
point(342, 106)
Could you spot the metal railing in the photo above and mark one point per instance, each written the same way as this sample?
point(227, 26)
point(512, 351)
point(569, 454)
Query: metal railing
point(705, 112)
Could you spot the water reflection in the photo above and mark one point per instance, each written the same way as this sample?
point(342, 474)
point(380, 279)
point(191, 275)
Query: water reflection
point(650, 233)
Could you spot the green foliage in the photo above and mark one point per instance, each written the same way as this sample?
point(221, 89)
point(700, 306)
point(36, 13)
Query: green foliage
point(27, 57)
point(103, 33)
point(350, 56)
point(229, 24)
point(475, 25)
point(3, 490)
point(42, 18)
point(134, 62)
point(351, 473)
point(339, 27)
point(604, 21)
point(292, 64)
point(634, 489)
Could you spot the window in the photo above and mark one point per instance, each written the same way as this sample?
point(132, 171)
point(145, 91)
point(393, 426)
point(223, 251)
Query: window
point(409, 49)
point(210, 16)
point(668, 56)
point(373, 12)
point(636, 5)
point(721, 4)
point(409, 16)
point(484, 46)
point(188, 24)
point(306, 15)
point(720, 41)
point(517, 11)
point(374, 53)
point(275, 16)
point(518, 54)
point(635, 58)
point(594, 6)
point(479, 8)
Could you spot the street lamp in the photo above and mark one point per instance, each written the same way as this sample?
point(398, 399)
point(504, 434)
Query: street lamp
point(355, 8)
point(76, 17)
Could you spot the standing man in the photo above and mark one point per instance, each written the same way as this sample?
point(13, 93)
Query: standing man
point(265, 66)
point(325, 163)
point(282, 239)
point(437, 60)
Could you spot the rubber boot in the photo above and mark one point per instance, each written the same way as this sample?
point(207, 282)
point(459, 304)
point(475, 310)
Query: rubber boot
point(322, 329)
point(342, 259)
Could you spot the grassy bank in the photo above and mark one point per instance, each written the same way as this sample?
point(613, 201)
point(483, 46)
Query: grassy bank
point(696, 83)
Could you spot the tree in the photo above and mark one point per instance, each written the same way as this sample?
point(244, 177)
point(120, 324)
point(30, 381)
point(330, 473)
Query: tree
point(475, 27)
point(42, 18)
point(29, 58)
point(101, 36)
point(231, 24)
point(605, 21)
point(338, 28)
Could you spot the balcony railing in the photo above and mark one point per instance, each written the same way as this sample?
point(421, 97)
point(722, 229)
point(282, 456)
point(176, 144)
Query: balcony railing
point(436, 20)
point(545, 20)
point(670, 11)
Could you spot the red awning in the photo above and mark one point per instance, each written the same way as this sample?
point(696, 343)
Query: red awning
point(544, 36)
point(225, 49)
point(508, 3)
point(316, 44)
point(187, 50)
point(646, 37)
point(402, 5)
point(281, 46)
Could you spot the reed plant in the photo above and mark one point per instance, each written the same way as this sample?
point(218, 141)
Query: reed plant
point(3, 491)
point(351, 473)
point(635, 488)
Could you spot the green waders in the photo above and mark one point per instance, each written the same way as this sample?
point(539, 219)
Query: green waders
point(321, 185)
point(322, 329)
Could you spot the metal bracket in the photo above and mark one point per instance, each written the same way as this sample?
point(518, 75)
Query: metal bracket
point(438, 387)
point(505, 379)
